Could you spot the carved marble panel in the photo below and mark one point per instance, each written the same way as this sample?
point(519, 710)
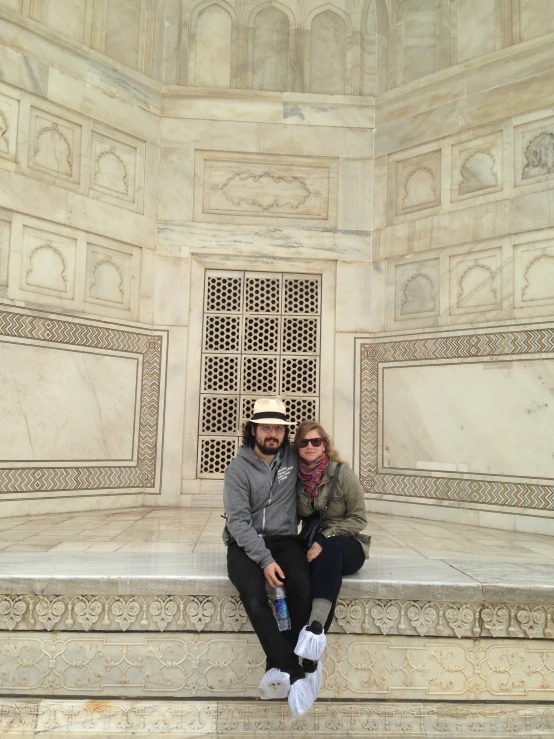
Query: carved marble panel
point(476, 281)
point(116, 168)
point(256, 188)
point(534, 274)
point(418, 183)
point(416, 291)
point(511, 475)
point(54, 146)
point(109, 276)
point(477, 167)
point(340, 719)
point(4, 251)
point(48, 260)
point(189, 665)
point(146, 349)
point(534, 152)
point(9, 113)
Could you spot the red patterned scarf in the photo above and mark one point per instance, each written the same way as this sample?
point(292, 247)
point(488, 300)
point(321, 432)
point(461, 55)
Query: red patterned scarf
point(311, 474)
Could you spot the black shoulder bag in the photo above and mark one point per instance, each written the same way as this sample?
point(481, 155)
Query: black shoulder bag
point(313, 524)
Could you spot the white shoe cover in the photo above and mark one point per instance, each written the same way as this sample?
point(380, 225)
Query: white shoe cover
point(310, 646)
point(274, 684)
point(302, 695)
point(316, 677)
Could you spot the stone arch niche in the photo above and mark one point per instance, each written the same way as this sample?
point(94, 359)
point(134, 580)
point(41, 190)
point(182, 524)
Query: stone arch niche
point(122, 36)
point(535, 18)
point(476, 28)
point(374, 51)
point(270, 44)
point(418, 23)
point(169, 60)
point(328, 62)
point(65, 16)
point(213, 45)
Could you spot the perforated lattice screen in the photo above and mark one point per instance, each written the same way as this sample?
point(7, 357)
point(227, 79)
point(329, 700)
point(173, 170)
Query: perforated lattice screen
point(261, 336)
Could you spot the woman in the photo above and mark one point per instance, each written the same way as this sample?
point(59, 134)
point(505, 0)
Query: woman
point(340, 549)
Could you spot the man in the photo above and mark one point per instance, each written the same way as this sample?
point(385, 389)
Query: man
point(260, 507)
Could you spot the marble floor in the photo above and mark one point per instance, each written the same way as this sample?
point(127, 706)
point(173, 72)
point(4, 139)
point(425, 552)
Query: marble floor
point(198, 530)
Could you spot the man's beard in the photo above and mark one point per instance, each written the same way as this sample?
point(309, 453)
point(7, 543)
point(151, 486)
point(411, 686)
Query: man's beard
point(269, 450)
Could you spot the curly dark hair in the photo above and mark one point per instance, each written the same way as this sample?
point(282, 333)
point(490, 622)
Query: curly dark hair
point(248, 434)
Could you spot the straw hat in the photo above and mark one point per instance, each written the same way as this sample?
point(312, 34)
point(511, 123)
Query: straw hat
point(271, 411)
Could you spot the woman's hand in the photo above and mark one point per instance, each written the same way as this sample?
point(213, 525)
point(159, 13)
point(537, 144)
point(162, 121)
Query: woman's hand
point(314, 551)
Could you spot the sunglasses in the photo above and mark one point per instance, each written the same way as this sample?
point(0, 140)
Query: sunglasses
point(314, 442)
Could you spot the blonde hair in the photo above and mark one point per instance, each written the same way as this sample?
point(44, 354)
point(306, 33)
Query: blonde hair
point(305, 427)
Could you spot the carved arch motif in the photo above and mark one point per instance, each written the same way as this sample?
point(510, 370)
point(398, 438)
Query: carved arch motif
point(426, 296)
point(48, 246)
point(108, 262)
point(489, 282)
point(63, 159)
point(100, 173)
point(533, 266)
point(473, 176)
point(410, 198)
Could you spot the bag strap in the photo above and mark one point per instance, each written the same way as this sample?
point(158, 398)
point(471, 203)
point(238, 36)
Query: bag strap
point(333, 485)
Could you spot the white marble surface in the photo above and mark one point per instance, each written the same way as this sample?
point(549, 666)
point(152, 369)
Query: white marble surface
point(67, 405)
point(180, 551)
point(488, 416)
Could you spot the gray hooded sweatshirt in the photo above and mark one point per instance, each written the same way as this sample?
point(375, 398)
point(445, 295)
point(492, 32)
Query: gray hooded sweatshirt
point(260, 502)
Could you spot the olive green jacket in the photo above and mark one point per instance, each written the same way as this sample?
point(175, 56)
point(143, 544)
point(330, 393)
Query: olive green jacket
point(346, 515)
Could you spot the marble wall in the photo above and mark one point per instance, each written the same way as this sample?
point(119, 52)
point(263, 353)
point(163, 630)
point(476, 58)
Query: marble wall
point(398, 154)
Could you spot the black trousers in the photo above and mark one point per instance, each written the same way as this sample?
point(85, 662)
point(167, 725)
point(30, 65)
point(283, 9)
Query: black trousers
point(341, 555)
point(248, 578)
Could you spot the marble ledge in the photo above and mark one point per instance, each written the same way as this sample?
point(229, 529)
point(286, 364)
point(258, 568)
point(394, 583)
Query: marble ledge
point(205, 574)
point(181, 239)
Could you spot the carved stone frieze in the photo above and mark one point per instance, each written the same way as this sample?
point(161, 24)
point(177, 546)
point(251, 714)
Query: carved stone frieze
point(203, 665)
point(341, 719)
point(212, 613)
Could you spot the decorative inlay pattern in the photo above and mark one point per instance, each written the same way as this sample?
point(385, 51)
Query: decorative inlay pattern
point(150, 347)
point(189, 665)
point(342, 719)
point(473, 346)
point(418, 183)
point(203, 613)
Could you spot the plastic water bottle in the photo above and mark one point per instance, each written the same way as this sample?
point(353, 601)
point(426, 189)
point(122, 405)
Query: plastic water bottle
point(282, 609)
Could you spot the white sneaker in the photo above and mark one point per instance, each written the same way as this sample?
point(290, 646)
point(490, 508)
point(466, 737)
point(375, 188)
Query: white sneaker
point(274, 685)
point(316, 677)
point(302, 695)
point(310, 645)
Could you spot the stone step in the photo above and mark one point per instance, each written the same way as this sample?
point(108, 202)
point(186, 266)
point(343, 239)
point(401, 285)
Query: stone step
point(53, 719)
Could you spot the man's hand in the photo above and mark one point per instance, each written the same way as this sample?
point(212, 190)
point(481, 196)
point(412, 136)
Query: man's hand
point(314, 551)
point(272, 573)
